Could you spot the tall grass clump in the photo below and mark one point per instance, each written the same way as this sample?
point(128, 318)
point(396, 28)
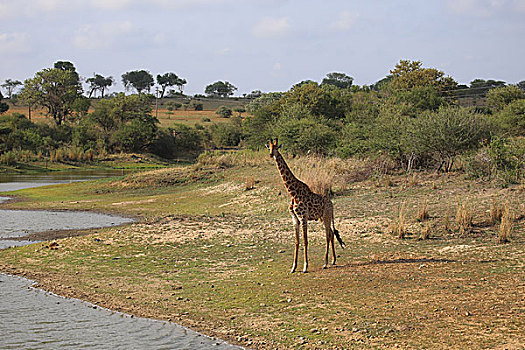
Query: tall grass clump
point(496, 212)
point(464, 217)
point(422, 212)
point(506, 225)
point(398, 226)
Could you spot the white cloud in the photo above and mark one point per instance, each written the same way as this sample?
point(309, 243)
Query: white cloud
point(90, 37)
point(271, 27)
point(345, 21)
point(14, 43)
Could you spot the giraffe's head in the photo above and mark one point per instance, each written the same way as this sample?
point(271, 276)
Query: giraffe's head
point(273, 146)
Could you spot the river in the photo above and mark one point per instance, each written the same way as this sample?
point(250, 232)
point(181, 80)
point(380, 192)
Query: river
point(34, 319)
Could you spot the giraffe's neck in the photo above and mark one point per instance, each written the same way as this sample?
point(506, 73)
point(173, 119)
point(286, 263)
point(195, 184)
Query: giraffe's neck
point(289, 179)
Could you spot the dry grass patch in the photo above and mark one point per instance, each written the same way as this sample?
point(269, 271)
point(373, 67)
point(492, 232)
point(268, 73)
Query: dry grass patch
point(506, 225)
point(464, 217)
point(399, 225)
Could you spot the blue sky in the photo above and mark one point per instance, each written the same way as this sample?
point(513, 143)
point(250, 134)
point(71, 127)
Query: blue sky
point(267, 45)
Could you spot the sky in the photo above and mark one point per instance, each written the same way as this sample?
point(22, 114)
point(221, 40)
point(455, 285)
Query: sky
point(266, 45)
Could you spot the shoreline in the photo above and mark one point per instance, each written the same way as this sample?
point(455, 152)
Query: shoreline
point(36, 285)
point(51, 284)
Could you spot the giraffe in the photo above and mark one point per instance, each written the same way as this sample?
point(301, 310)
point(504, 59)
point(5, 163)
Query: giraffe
point(306, 205)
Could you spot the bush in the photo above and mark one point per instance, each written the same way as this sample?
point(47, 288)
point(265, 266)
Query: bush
point(512, 118)
point(306, 135)
point(444, 134)
point(502, 159)
point(177, 141)
point(500, 97)
point(225, 134)
point(224, 112)
point(136, 136)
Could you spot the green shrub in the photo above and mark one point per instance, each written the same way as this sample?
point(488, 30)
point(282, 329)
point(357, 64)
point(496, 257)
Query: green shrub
point(177, 141)
point(512, 118)
point(136, 136)
point(306, 135)
point(224, 112)
point(225, 134)
point(502, 159)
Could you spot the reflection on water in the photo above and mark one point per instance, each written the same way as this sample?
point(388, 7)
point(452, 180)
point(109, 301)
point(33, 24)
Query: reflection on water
point(34, 319)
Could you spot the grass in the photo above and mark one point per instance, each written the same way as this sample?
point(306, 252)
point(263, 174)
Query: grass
point(166, 117)
point(214, 256)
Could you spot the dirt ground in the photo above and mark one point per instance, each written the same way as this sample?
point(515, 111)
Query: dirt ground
point(228, 275)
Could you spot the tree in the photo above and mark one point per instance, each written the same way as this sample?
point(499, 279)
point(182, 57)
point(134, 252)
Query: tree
point(340, 80)
point(512, 117)
point(500, 97)
point(10, 86)
point(140, 80)
point(99, 83)
point(55, 89)
point(220, 88)
point(169, 79)
point(488, 84)
point(320, 101)
point(408, 75)
point(3, 106)
point(444, 134)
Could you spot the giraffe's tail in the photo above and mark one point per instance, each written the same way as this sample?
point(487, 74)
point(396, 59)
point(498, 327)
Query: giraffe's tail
point(338, 236)
point(336, 233)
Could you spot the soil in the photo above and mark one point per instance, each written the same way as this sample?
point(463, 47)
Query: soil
point(227, 275)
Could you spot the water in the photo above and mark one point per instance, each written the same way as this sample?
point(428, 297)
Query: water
point(34, 319)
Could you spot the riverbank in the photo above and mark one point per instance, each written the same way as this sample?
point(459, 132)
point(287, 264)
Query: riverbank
point(214, 246)
point(124, 161)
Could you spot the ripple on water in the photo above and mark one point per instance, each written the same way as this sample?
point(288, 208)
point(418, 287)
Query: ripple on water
point(31, 318)
point(19, 223)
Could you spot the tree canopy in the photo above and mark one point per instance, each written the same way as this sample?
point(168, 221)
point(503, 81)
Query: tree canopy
point(220, 88)
point(340, 80)
point(140, 80)
point(408, 75)
point(10, 86)
point(55, 89)
point(99, 83)
point(169, 79)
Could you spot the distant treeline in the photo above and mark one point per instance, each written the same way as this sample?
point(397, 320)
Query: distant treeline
point(413, 119)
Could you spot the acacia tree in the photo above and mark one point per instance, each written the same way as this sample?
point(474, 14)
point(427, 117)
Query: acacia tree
point(408, 75)
point(10, 86)
point(99, 83)
point(55, 89)
point(340, 80)
point(140, 80)
point(220, 88)
point(169, 79)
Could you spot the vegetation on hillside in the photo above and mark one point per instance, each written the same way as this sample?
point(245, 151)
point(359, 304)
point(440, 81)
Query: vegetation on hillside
point(413, 117)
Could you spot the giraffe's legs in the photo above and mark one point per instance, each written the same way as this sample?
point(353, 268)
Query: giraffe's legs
point(296, 232)
point(304, 223)
point(329, 238)
point(334, 257)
